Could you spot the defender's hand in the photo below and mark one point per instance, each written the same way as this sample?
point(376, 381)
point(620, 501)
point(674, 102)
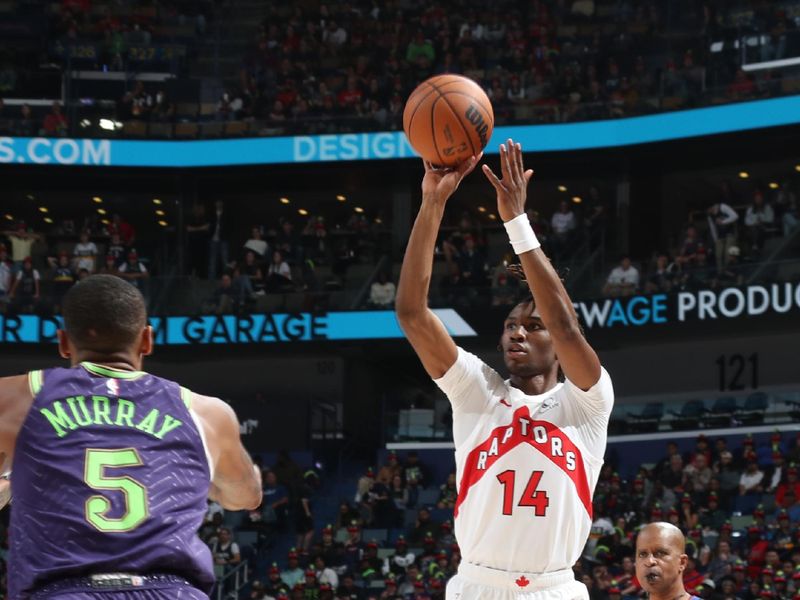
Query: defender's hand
point(512, 190)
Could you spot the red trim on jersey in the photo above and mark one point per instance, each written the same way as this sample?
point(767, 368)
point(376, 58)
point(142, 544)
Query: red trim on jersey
point(473, 475)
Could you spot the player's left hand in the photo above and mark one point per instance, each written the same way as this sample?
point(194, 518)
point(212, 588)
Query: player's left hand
point(512, 190)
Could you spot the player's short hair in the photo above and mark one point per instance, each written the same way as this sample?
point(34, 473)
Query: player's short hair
point(104, 313)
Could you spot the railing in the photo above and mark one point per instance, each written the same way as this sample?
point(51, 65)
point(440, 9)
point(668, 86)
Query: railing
point(231, 582)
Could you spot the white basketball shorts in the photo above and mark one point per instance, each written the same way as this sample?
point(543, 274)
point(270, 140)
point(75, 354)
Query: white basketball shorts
point(473, 582)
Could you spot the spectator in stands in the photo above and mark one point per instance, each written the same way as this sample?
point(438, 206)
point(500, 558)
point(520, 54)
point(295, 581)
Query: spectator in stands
point(662, 278)
point(423, 525)
point(792, 484)
point(127, 234)
point(380, 506)
point(257, 244)
point(135, 272)
point(672, 476)
point(137, 103)
point(382, 292)
point(324, 574)
point(303, 515)
point(786, 207)
point(692, 244)
point(25, 125)
point(279, 274)
point(63, 279)
point(472, 264)
point(224, 298)
point(448, 493)
point(229, 106)
point(697, 477)
point(288, 242)
point(163, 110)
point(25, 291)
point(759, 220)
point(219, 230)
point(251, 271)
point(398, 493)
point(623, 279)
point(225, 551)
point(110, 266)
point(116, 249)
point(721, 224)
point(85, 253)
point(275, 504)
point(22, 240)
point(733, 273)
point(55, 123)
point(563, 224)
point(750, 486)
point(293, 574)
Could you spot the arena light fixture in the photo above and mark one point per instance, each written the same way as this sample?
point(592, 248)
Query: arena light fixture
point(97, 200)
point(160, 213)
point(562, 188)
point(577, 199)
point(101, 211)
point(285, 200)
point(341, 198)
point(773, 185)
point(482, 209)
point(30, 197)
point(44, 209)
point(48, 220)
point(358, 209)
point(163, 223)
point(744, 174)
point(379, 221)
point(302, 212)
point(492, 217)
point(9, 217)
point(797, 168)
point(105, 222)
point(156, 200)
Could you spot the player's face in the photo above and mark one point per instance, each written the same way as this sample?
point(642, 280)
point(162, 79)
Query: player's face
point(659, 563)
point(525, 343)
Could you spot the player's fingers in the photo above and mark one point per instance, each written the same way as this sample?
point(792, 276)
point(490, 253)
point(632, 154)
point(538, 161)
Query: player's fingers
point(428, 166)
point(492, 178)
point(520, 166)
point(512, 161)
point(504, 161)
point(528, 175)
point(517, 162)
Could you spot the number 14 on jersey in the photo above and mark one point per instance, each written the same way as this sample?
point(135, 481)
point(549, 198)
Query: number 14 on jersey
point(531, 497)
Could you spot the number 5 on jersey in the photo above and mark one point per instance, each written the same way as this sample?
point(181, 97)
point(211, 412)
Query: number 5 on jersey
point(134, 493)
point(530, 496)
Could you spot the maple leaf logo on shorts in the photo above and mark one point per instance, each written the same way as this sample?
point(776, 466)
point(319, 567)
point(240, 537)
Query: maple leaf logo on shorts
point(522, 581)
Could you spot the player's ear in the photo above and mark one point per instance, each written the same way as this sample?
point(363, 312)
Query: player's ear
point(146, 341)
point(63, 344)
point(682, 563)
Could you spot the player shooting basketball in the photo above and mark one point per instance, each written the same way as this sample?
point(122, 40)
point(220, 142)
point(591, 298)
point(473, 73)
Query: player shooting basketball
point(111, 465)
point(528, 449)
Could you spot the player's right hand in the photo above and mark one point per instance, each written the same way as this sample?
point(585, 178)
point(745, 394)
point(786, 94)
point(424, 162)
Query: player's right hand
point(439, 183)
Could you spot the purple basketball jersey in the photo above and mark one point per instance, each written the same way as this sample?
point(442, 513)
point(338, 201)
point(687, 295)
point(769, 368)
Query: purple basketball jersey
point(110, 475)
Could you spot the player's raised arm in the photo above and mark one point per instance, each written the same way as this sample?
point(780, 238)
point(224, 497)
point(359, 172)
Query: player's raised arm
point(576, 357)
point(422, 327)
point(236, 482)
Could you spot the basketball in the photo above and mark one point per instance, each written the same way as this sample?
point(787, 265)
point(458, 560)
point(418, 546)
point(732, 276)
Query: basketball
point(447, 119)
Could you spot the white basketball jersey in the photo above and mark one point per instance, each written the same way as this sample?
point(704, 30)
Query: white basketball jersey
point(526, 467)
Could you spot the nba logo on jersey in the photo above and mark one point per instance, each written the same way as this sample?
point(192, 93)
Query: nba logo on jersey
point(112, 385)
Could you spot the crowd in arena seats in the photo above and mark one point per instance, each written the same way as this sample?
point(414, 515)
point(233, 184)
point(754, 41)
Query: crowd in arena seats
point(719, 247)
point(37, 270)
point(339, 67)
point(738, 504)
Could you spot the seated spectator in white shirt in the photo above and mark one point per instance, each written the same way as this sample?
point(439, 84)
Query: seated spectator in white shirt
point(623, 279)
point(279, 274)
point(85, 253)
point(382, 292)
point(256, 243)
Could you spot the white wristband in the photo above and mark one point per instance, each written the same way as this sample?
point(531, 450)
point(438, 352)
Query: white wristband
point(520, 234)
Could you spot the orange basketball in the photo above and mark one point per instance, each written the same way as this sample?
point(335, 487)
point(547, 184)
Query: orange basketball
point(447, 119)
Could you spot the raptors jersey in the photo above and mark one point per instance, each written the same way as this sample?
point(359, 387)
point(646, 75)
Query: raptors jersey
point(526, 467)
